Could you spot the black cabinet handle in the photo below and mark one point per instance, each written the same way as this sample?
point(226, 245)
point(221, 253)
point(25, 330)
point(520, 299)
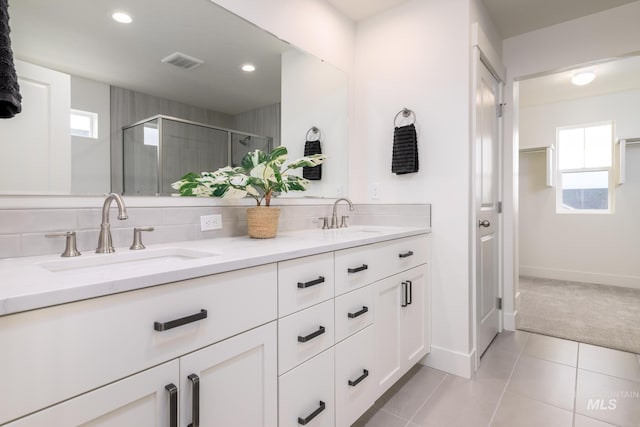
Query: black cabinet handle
point(357, 381)
point(406, 254)
point(173, 404)
point(195, 400)
point(312, 335)
point(305, 421)
point(404, 295)
point(311, 283)
point(159, 326)
point(357, 269)
point(410, 300)
point(358, 313)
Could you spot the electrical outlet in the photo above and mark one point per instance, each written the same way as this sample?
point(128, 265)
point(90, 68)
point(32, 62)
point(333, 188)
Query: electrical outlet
point(374, 190)
point(210, 222)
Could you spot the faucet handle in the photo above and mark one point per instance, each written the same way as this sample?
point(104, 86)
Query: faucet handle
point(325, 222)
point(343, 221)
point(137, 238)
point(70, 248)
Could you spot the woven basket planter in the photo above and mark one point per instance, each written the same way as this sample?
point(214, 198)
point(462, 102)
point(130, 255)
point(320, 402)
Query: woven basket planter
point(262, 222)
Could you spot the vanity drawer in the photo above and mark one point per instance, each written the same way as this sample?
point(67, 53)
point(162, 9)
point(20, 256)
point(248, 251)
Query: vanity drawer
point(83, 345)
point(357, 267)
point(303, 282)
point(308, 392)
point(403, 254)
point(304, 334)
point(354, 311)
point(355, 376)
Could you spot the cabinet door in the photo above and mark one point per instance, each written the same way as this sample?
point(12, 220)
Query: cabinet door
point(387, 325)
point(236, 381)
point(415, 320)
point(141, 400)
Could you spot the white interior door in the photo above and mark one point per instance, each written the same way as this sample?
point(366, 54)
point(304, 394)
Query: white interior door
point(487, 191)
point(36, 143)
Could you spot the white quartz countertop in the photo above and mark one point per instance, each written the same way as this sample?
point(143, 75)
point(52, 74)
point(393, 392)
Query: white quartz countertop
point(34, 282)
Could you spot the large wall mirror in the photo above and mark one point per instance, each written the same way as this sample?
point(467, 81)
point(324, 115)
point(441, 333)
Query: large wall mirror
point(131, 107)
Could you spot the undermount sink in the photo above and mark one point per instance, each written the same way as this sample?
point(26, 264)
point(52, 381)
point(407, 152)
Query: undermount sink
point(145, 258)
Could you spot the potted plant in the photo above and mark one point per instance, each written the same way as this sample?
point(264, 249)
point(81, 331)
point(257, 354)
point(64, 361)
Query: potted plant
point(260, 175)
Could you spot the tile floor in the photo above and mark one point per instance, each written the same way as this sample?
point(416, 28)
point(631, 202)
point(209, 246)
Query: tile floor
point(524, 380)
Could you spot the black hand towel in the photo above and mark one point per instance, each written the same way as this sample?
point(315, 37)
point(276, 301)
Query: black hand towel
point(10, 99)
point(405, 150)
point(314, 173)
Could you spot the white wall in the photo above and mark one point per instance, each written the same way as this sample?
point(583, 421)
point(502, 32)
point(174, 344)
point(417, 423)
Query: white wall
point(90, 173)
point(590, 248)
point(314, 93)
point(417, 55)
point(601, 35)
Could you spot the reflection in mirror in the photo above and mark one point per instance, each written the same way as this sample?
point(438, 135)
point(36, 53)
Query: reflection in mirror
point(72, 56)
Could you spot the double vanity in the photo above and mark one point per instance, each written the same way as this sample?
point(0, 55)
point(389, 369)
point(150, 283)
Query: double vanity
point(309, 328)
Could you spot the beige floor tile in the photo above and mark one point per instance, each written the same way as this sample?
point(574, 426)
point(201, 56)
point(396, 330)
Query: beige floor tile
point(407, 395)
point(376, 417)
point(608, 398)
point(510, 341)
point(582, 421)
point(552, 349)
point(548, 382)
point(520, 411)
point(460, 402)
point(497, 364)
point(610, 362)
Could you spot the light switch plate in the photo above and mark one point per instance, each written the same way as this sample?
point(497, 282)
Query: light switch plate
point(210, 222)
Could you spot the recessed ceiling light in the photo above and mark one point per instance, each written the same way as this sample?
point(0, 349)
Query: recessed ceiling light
point(122, 18)
point(248, 68)
point(583, 78)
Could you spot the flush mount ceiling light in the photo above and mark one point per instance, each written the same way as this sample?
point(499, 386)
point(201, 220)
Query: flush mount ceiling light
point(249, 68)
point(583, 78)
point(122, 18)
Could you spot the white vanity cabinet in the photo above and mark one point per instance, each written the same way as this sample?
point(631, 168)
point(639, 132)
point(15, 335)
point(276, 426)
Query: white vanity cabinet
point(232, 383)
point(57, 353)
point(401, 325)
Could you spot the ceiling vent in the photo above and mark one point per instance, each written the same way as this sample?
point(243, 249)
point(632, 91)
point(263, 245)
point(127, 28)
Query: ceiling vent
point(183, 61)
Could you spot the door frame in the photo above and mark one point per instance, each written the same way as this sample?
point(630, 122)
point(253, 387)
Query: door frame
point(483, 54)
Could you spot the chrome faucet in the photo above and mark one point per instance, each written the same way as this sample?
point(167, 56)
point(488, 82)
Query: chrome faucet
point(105, 245)
point(334, 215)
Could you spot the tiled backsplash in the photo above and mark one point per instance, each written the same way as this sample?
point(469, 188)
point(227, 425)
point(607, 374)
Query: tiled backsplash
point(22, 230)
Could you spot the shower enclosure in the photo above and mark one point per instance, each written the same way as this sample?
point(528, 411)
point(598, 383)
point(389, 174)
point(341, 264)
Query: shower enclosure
point(160, 150)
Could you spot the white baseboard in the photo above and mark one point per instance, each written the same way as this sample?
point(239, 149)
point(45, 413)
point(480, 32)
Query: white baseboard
point(452, 362)
point(581, 276)
point(510, 321)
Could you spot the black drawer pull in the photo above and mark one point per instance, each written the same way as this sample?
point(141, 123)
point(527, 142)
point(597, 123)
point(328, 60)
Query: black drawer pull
point(305, 421)
point(358, 313)
point(173, 404)
point(312, 335)
point(311, 283)
point(410, 300)
point(355, 270)
point(195, 400)
point(158, 326)
point(404, 296)
point(406, 254)
point(357, 381)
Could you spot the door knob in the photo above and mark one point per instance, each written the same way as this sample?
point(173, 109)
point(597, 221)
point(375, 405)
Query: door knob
point(484, 223)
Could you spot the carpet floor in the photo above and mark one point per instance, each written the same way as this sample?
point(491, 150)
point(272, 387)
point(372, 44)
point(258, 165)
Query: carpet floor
point(607, 316)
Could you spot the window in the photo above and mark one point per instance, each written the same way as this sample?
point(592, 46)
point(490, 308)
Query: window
point(585, 156)
point(84, 123)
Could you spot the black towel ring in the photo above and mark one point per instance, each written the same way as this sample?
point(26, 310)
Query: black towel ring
point(315, 131)
point(405, 113)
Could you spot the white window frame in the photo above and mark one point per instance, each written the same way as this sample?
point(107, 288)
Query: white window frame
point(93, 120)
point(560, 208)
